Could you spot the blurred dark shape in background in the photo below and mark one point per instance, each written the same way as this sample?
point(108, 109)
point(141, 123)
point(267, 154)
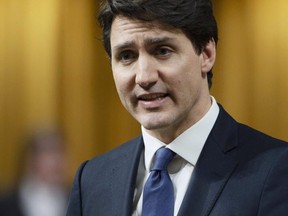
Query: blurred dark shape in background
point(41, 188)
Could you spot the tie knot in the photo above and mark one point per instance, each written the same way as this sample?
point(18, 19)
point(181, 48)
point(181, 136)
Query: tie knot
point(162, 158)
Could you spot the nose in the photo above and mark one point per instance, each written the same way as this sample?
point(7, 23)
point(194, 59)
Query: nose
point(146, 72)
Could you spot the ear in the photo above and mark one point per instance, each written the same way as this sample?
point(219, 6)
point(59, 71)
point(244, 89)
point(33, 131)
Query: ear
point(208, 56)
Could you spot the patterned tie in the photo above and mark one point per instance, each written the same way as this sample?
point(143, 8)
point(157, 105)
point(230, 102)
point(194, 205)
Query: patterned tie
point(158, 194)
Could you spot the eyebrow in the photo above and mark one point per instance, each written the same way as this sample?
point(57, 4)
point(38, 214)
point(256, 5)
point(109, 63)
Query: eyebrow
point(123, 46)
point(147, 42)
point(160, 40)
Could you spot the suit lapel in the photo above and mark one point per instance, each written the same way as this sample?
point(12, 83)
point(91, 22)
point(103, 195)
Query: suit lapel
point(213, 169)
point(123, 177)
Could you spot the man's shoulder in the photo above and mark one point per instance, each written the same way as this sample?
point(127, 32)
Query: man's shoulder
point(122, 149)
point(246, 133)
point(249, 135)
point(109, 167)
point(125, 151)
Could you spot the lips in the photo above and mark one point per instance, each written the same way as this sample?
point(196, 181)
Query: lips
point(152, 96)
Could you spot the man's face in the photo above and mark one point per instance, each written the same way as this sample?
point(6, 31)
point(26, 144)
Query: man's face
point(159, 77)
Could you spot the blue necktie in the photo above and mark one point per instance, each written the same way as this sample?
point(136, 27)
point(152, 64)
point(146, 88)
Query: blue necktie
point(158, 194)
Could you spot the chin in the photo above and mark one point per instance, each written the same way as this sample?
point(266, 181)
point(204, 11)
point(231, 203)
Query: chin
point(155, 121)
point(154, 124)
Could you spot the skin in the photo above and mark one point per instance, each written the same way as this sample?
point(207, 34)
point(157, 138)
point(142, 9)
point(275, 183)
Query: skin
point(160, 79)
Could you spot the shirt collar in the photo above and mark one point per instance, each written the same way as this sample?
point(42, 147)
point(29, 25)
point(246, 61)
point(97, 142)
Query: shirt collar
point(187, 145)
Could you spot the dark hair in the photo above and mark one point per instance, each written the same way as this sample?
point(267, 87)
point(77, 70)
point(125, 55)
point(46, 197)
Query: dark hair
point(194, 17)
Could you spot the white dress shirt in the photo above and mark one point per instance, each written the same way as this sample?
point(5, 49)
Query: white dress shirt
point(38, 199)
point(187, 147)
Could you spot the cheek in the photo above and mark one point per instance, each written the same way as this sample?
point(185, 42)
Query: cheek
point(187, 83)
point(121, 84)
point(124, 79)
point(118, 79)
point(124, 85)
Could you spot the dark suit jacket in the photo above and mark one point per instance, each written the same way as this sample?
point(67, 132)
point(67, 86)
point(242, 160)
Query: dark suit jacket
point(240, 172)
point(10, 204)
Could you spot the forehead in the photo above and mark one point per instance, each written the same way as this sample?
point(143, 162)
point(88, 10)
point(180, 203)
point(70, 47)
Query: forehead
point(124, 28)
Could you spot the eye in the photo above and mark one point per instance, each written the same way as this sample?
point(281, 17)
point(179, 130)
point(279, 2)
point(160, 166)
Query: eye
point(163, 51)
point(127, 56)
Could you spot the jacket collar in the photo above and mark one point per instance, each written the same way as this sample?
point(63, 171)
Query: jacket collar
point(213, 169)
point(123, 177)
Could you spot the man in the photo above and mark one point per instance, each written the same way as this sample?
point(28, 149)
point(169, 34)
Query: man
point(162, 54)
point(41, 188)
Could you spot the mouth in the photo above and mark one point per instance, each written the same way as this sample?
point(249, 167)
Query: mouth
point(152, 101)
point(152, 96)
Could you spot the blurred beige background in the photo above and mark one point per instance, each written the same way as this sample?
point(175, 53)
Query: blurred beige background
point(54, 72)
